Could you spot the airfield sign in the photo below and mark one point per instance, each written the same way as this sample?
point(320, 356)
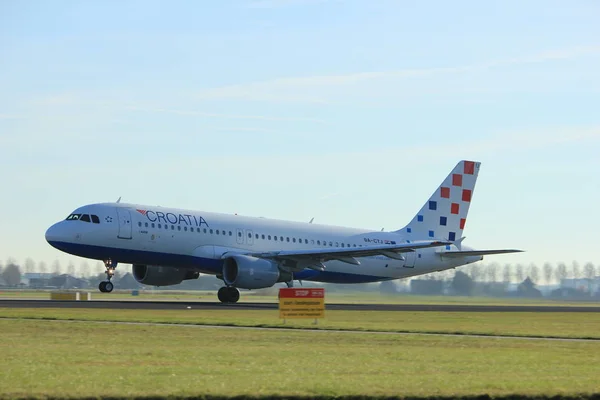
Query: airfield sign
point(297, 303)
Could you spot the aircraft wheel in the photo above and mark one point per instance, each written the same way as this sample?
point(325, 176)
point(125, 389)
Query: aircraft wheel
point(222, 295)
point(233, 294)
point(108, 287)
point(102, 287)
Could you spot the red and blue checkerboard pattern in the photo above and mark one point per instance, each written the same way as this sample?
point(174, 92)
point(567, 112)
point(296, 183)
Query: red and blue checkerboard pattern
point(444, 215)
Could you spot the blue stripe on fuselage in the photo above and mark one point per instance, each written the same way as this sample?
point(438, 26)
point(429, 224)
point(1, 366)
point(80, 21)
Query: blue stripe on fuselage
point(201, 264)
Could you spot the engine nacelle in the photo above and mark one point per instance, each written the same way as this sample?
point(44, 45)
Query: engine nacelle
point(155, 275)
point(247, 272)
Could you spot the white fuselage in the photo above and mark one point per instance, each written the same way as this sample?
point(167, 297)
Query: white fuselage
point(136, 234)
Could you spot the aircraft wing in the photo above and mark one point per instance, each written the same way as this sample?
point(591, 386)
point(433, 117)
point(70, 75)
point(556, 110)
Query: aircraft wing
point(477, 252)
point(313, 258)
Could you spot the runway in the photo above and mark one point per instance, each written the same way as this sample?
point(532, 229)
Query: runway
point(197, 305)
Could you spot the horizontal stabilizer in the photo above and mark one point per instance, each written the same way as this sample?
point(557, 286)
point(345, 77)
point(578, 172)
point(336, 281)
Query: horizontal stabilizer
point(477, 252)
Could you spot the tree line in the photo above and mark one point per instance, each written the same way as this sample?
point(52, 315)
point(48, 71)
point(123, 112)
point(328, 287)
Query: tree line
point(547, 274)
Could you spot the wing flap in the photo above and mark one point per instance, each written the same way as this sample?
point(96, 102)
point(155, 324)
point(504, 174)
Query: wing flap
point(349, 255)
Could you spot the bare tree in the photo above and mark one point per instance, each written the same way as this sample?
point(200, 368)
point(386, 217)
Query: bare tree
point(534, 273)
point(29, 265)
point(12, 274)
point(71, 268)
point(56, 269)
point(84, 269)
point(548, 272)
point(575, 270)
point(507, 273)
point(589, 271)
point(561, 272)
point(520, 273)
point(492, 271)
point(99, 268)
point(42, 267)
point(475, 272)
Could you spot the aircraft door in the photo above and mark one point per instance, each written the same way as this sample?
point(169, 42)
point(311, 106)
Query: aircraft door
point(410, 258)
point(239, 235)
point(124, 223)
point(249, 237)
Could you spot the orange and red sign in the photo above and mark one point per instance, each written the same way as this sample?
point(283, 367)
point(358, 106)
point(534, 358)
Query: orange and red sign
point(301, 303)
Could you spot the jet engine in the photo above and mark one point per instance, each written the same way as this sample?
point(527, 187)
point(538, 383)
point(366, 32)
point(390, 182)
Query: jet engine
point(156, 275)
point(248, 272)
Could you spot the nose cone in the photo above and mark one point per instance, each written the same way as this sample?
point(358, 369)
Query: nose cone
point(55, 234)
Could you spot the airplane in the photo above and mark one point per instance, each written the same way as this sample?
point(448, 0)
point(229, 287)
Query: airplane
point(166, 246)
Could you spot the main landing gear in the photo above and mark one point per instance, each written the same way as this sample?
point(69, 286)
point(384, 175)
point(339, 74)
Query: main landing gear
point(228, 294)
point(107, 286)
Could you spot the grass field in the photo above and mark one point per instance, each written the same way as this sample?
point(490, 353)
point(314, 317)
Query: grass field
point(83, 359)
point(559, 325)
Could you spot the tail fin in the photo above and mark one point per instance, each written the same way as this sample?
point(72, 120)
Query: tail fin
point(444, 215)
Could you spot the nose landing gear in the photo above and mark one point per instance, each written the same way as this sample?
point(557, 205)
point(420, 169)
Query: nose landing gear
point(228, 294)
point(107, 286)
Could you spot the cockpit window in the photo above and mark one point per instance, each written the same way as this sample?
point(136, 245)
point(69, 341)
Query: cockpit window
point(84, 217)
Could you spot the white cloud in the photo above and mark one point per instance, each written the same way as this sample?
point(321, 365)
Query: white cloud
point(222, 116)
point(318, 89)
point(10, 116)
point(281, 3)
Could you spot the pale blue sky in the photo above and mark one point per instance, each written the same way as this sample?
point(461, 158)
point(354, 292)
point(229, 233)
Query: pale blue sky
point(351, 112)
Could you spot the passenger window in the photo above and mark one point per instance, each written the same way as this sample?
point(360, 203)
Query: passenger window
point(263, 236)
point(146, 224)
point(159, 226)
point(85, 218)
point(217, 232)
point(337, 244)
point(95, 219)
point(274, 237)
point(153, 225)
point(319, 242)
point(140, 224)
point(172, 227)
point(185, 228)
point(210, 231)
point(204, 230)
point(281, 237)
point(331, 244)
point(239, 234)
point(178, 227)
point(250, 235)
point(343, 245)
point(294, 240)
point(269, 237)
point(230, 233)
point(257, 236)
